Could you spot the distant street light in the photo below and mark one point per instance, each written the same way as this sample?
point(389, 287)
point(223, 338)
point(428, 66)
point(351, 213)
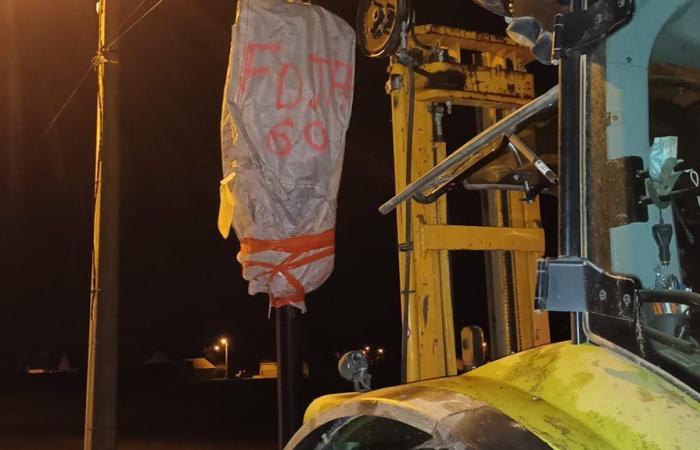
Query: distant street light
point(217, 348)
point(224, 342)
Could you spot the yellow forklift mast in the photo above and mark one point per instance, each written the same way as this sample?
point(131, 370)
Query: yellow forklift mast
point(494, 81)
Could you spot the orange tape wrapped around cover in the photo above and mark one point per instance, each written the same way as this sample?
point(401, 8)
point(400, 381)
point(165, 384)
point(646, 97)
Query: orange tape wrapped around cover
point(316, 246)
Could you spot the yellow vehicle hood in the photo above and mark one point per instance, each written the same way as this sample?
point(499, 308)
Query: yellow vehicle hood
point(570, 396)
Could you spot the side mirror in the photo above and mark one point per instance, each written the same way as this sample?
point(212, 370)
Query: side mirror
point(353, 367)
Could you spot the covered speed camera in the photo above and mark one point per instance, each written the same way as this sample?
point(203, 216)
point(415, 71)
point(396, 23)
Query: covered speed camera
point(286, 110)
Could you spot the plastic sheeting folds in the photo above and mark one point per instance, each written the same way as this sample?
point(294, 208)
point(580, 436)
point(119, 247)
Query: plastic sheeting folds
point(286, 110)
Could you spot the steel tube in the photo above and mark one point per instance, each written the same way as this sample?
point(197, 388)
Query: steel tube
point(289, 373)
point(503, 127)
point(571, 135)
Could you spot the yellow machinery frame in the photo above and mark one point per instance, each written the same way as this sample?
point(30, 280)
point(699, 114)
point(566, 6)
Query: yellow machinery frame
point(512, 234)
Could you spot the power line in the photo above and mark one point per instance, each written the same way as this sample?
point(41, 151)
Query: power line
point(83, 79)
point(68, 100)
point(131, 14)
point(136, 22)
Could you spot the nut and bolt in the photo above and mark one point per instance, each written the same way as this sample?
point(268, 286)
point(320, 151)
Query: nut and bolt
point(627, 299)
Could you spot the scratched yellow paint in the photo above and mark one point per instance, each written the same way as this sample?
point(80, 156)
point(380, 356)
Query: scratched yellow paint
point(327, 401)
point(575, 397)
point(586, 397)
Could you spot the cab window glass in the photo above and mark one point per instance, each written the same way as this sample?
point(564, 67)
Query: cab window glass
point(365, 433)
point(665, 332)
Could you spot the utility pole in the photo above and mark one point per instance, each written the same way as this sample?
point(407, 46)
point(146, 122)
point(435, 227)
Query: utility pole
point(101, 396)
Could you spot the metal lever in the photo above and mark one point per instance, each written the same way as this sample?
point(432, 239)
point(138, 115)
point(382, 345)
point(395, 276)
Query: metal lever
point(531, 156)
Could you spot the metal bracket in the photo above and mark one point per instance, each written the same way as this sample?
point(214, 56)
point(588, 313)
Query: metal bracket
point(575, 32)
point(627, 175)
point(106, 55)
point(575, 284)
point(661, 192)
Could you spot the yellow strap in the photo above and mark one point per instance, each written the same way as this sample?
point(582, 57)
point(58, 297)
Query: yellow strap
point(225, 210)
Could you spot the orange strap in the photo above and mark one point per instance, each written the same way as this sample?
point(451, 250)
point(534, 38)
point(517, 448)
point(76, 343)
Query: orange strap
point(296, 246)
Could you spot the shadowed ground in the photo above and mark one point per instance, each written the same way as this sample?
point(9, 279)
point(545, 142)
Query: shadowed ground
point(46, 412)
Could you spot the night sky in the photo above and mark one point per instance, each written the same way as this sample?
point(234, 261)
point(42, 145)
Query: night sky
point(181, 286)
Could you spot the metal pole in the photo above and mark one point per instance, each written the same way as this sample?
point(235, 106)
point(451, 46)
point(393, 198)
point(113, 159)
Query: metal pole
point(101, 396)
point(571, 151)
point(226, 359)
point(289, 373)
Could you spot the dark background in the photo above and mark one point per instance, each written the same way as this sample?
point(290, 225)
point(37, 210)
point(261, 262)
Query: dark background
point(181, 286)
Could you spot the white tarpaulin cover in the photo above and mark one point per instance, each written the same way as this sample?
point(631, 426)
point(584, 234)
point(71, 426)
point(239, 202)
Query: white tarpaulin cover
point(286, 109)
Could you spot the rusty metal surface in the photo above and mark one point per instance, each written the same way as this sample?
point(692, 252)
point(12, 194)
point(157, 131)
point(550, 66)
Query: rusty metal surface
point(431, 342)
point(481, 238)
point(473, 40)
point(474, 85)
point(495, 79)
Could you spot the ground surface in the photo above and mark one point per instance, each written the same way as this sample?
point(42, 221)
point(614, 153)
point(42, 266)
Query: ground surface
point(155, 412)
